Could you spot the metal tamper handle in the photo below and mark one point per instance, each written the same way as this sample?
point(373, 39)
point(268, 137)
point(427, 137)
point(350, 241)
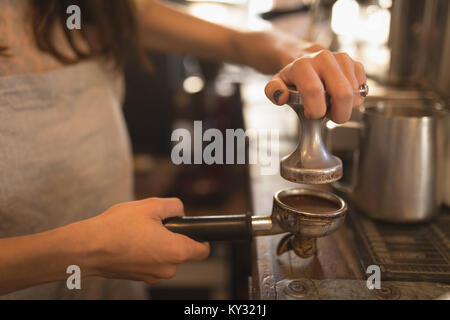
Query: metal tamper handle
point(311, 162)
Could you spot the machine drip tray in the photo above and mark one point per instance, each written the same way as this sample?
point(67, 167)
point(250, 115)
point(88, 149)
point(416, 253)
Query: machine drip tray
point(404, 252)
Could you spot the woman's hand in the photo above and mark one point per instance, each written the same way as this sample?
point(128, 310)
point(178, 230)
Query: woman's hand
point(311, 74)
point(131, 242)
point(310, 68)
point(128, 241)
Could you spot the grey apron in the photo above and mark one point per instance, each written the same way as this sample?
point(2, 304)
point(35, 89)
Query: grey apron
point(64, 156)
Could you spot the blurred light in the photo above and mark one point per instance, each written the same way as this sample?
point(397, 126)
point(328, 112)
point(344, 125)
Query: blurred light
point(241, 15)
point(385, 4)
point(369, 24)
point(376, 26)
point(225, 89)
point(213, 12)
point(259, 6)
point(193, 84)
point(254, 9)
point(377, 58)
point(345, 18)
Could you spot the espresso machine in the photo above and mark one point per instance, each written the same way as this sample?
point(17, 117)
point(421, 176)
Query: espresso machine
point(415, 80)
point(408, 67)
point(397, 168)
point(409, 78)
point(305, 214)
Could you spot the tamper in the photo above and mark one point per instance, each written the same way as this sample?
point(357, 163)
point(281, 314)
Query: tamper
point(311, 163)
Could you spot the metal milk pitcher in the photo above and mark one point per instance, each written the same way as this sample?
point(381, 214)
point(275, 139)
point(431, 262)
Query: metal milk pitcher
point(399, 166)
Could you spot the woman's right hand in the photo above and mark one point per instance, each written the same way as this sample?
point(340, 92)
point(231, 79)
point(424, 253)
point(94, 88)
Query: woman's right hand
point(130, 241)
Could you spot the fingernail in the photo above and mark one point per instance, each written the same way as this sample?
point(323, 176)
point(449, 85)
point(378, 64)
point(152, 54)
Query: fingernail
point(277, 94)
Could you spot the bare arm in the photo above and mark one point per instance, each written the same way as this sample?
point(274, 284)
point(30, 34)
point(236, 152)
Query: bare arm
point(310, 68)
point(35, 259)
point(168, 28)
point(127, 241)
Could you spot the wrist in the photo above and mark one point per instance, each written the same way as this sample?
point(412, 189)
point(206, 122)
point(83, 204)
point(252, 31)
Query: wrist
point(79, 245)
point(256, 49)
point(290, 48)
point(270, 51)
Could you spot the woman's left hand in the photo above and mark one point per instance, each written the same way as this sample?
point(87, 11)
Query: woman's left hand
point(311, 69)
point(311, 74)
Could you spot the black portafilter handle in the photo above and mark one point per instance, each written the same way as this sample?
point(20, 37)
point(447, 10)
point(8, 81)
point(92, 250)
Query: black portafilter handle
point(212, 228)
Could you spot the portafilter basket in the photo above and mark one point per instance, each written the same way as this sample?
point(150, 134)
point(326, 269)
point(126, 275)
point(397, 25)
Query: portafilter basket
point(304, 225)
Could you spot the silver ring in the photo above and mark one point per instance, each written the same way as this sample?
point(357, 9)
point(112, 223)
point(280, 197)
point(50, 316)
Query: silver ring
point(295, 98)
point(363, 90)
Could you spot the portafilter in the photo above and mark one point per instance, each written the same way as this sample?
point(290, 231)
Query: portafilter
point(306, 213)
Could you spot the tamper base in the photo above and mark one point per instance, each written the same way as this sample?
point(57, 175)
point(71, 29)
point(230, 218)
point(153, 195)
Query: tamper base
point(294, 172)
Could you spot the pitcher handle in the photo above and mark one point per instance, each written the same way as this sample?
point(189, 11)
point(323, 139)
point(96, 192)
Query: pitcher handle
point(346, 188)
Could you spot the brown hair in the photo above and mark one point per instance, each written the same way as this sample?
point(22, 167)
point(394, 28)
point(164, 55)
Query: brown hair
point(109, 27)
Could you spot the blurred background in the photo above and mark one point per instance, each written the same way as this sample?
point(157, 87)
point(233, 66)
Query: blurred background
point(403, 44)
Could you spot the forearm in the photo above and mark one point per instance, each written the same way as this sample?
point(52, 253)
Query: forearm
point(127, 241)
point(168, 29)
point(44, 257)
